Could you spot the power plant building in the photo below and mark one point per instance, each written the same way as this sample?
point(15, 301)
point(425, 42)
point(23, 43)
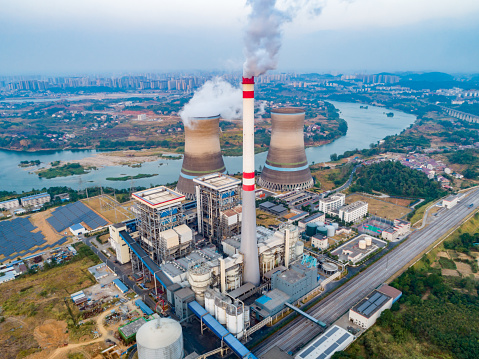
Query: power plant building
point(202, 153)
point(217, 199)
point(286, 166)
point(35, 200)
point(160, 223)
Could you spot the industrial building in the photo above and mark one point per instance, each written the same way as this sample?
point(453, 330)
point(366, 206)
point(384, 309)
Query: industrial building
point(277, 248)
point(120, 247)
point(331, 203)
point(317, 217)
point(160, 338)
point(353, 212)
point(78, 229)
point(218, 197)
point(286, 166)
point(288, 285)
point(160, 223)
point(451, 200)
point(202, 153)
point(323, 347)
point(35, 200)
point(397, 230)
point(358, 248)
point(10, 204)
point(367, 311)
point(319, 241)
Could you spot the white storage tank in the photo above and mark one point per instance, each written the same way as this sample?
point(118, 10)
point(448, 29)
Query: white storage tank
point(210, 302)
point(362, 244)
point(160, 338)
point(369, 240)
point(330, 230)
point(220, 309)
point(235, 319)
point(335, 225)
point(299, 248)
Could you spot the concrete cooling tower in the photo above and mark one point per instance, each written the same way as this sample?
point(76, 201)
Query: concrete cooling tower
point(286, 166)
point(202, 153)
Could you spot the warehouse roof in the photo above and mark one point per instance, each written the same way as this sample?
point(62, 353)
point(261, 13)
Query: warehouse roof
point(371, 304)
point(323, 347)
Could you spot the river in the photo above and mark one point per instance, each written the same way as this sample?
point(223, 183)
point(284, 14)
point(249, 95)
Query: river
point(364, 127)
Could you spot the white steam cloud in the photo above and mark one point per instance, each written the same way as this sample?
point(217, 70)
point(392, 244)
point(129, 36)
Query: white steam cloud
point(262, 39)
point(215, 97)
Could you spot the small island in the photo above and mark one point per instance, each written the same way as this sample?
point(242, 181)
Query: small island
point(29, 163)
point(128, 178)
point(68, 169)
point(364, 107)
point(390, 114)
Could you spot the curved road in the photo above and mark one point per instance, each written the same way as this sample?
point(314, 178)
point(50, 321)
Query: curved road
point(300, 331)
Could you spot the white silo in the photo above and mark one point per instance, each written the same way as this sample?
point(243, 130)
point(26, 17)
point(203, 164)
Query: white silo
point(220, 309)
point(235, 319)
point(369, 240)
point(210, 302)
point(160, 338)
point(335, 225)
point(299, 248)
point(362, 244)
point(330, 230)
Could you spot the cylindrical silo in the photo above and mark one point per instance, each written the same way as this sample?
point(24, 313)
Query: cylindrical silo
point(330, 230)
point(202, 153)
point(210, 302)
point(311, 229)
point(286, 166)
point(322, 230)
point(160, 338)
point(199, 278)
point(299, 248)
point(362, 244)
point(235, 319)
point(368, 240)
point(335, 225)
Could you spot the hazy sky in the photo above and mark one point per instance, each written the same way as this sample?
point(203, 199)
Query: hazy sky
point(122, 36)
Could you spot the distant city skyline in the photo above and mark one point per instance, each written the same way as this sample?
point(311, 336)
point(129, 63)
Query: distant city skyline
point(340, 36)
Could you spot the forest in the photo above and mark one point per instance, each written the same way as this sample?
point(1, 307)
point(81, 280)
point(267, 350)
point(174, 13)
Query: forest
point(395, 179)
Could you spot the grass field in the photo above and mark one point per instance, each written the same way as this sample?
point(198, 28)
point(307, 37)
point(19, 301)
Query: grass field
point(265, 219)
point(109, 208)
point(36, 312)
point(380, 208)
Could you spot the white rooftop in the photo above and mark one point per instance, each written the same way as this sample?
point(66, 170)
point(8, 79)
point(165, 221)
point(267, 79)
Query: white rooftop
point(158, 196)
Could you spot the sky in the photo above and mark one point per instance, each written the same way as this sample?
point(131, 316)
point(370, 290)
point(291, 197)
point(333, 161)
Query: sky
point(339, 36)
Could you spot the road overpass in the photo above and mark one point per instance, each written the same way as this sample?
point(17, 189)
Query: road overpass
point(300, 331)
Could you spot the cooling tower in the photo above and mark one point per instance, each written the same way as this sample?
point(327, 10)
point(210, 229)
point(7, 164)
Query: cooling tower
point(202, 153)
point(249, 244)
point(286, 166)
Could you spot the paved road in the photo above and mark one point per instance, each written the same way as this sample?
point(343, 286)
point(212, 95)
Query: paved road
point(300, 331)
point(348, 182)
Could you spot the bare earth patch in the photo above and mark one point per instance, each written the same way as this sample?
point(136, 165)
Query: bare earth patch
point(449, 272)
point(51, 334)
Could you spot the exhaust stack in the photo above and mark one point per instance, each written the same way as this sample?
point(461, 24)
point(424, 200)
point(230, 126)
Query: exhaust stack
point(249, 245)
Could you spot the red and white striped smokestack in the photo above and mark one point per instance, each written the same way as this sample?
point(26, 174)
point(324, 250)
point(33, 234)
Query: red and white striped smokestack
point(249, 245)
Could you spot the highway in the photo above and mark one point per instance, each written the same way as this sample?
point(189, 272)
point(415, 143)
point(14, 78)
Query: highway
point(301, 330)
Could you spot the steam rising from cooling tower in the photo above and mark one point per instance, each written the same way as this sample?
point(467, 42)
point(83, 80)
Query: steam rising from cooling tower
point(262, 40)
point(215, 97)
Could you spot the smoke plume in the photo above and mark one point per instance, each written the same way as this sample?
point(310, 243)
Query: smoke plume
point(215, 97)
point(262, 39)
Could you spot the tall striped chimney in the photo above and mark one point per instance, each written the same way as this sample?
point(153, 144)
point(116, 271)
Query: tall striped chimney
point(249, 245)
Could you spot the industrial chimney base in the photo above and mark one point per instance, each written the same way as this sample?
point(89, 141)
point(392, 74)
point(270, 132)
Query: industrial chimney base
point(285, 187)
